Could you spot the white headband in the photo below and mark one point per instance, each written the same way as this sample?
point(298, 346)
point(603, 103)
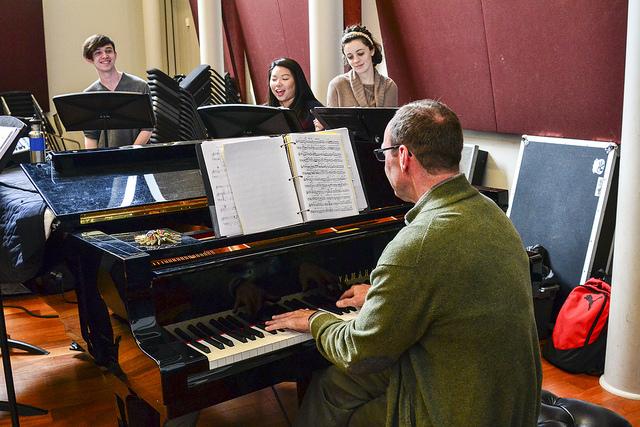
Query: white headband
point(355, 34)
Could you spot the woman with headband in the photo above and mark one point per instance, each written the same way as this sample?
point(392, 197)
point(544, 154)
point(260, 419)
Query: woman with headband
point(362, 86)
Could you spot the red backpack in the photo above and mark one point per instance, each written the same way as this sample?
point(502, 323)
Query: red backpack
point(579, 339)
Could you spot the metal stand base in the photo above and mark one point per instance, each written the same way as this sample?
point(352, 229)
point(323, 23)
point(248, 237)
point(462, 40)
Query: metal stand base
point(11, 405)
point(21, 345)
point(23, 410)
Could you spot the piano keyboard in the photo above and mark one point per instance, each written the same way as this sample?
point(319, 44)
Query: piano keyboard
point(227, 338)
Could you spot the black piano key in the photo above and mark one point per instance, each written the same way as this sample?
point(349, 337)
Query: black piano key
point(267, 312)
point(198, 333)
point(233, 328)
point(182, 334)
point(227, 331)
point(310, 299)
point(216, 335)
point(294, 304)
point(242, 324)
point(279, 309)
point(263, 326)
point(195, 332)
point(239, 326)
point(328, 305)
point(304, 304)
point(217, 344)
point(258, 324)
point(324, 303)
point(335, 310)
point(217, 331)
point(203, 348)
point(316, 300)
point(185, 336)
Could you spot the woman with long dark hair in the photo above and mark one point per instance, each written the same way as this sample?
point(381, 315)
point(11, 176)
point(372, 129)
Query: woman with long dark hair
point(288, 88)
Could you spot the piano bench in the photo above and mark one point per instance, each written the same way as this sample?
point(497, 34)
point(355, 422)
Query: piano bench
point(559, 412)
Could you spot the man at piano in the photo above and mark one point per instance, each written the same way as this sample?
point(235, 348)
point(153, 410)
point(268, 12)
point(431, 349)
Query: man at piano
point(446, 334)
point(100, 51)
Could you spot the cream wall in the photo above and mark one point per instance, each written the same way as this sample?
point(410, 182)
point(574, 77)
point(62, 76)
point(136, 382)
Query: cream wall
point(187, 51)
point(67, 23)
point(503, 152)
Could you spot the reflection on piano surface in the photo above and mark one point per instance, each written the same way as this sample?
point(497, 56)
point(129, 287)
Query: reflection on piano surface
point(182, 324)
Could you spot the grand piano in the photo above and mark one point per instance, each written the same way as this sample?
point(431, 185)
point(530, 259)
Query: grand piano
point(181, 324)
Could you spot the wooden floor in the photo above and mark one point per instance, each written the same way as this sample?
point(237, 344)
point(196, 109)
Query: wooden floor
point(77, 393)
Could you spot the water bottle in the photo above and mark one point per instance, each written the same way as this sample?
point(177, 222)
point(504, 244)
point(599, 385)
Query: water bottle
point(36, 141)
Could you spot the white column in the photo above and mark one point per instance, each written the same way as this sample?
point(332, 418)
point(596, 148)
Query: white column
point(251, 94)
point(210, 34)
point(622, 366)
point(152, 12)
point(325, 56)
point(371, 20)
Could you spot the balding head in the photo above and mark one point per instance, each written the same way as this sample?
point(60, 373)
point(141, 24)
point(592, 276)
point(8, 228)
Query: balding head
point(431, 132)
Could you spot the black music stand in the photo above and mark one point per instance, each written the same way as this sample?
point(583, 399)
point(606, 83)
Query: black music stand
point(236, 120)
point(11, 404)
point(365, 123)
point(104, 111)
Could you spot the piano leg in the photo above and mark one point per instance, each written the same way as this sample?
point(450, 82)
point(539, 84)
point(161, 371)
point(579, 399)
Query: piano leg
point(135, 412)
point(188, 420)
point(93, 313)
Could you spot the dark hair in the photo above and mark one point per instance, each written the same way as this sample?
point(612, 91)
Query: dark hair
point(304, 94)
point(95, 42)
point(351, 33)
point(431, 132)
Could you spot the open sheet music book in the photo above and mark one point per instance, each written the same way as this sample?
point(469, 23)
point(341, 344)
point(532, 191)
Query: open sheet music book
point(261, 183)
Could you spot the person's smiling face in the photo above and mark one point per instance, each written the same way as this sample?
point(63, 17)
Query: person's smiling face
point(104, 58)
point(283, 85)
point(359, 56)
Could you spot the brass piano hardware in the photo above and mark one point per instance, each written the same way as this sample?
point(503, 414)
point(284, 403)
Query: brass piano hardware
point(138, 211)
point(348, 230)
point(239, 247)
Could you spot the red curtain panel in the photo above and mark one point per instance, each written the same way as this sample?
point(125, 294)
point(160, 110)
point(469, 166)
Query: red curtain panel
point(23, 65)
point(545, 67)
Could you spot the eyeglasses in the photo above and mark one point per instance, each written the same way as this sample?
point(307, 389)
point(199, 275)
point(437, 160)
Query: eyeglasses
point(379, 152)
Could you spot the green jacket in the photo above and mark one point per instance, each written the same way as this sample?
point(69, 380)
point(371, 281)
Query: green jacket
point(450, 315)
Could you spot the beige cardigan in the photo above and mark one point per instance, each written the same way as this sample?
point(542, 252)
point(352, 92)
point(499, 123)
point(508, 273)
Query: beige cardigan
point(346, 90)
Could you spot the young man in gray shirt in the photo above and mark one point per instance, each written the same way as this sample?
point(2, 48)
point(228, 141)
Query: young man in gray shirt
point(100, 51)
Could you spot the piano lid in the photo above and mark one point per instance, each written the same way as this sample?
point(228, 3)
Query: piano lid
point(93, 186)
